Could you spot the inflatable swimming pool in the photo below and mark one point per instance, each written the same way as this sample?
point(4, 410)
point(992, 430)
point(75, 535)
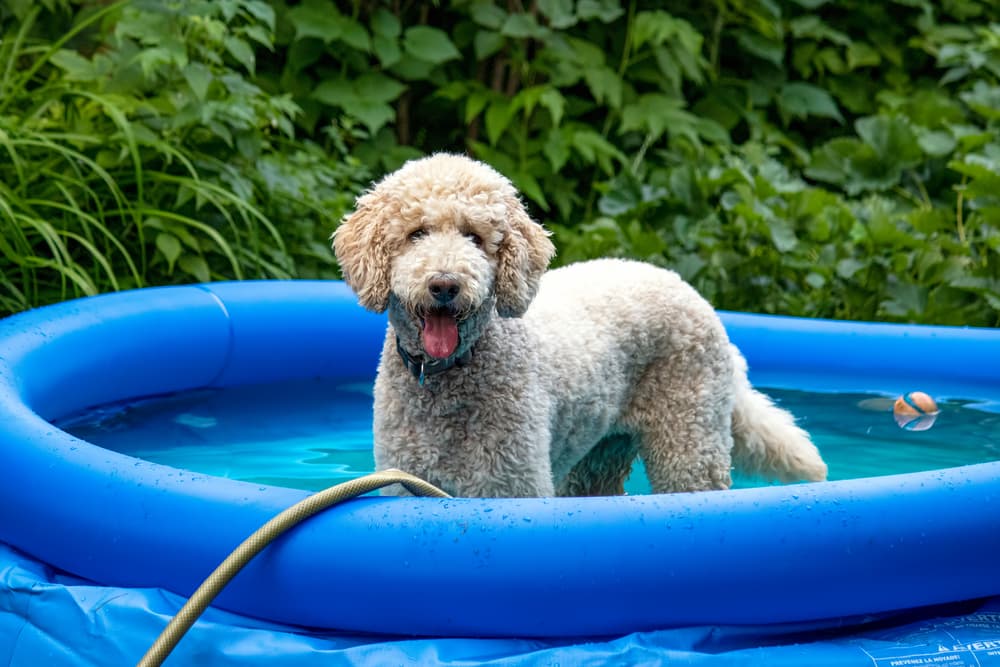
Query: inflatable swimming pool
point(464, 567)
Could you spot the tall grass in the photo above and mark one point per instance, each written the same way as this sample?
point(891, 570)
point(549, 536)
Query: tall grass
point(134, 150)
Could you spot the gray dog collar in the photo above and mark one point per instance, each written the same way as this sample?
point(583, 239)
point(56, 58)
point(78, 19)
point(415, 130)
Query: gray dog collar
point(421, 368)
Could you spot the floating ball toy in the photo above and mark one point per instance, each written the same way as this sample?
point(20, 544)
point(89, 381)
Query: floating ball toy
point(915, 411)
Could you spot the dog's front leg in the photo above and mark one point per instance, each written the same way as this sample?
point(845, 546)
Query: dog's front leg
point(466, 462)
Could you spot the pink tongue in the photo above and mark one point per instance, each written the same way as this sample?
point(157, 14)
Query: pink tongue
point(440, 335)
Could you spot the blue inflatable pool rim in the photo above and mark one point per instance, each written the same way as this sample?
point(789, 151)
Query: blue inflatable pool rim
point(464, 567)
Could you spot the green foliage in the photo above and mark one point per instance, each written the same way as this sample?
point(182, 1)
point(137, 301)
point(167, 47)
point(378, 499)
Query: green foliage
point(795, 156)
point(799, 156)
point(137, 150)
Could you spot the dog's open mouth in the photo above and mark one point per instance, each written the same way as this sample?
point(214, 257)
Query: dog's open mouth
point(440, 333)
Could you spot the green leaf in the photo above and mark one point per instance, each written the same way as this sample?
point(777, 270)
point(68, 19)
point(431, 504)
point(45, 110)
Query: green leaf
point(815, 280)
point(386, 50)
point(813, 27)
point(486, 43)
point(984, 99)
point(374, 115)
point(689, 265)
point(199, 78)
point(554, 102)
point(655, 114)
point(710, 130)
point(371, 87)
point(831, 162)
point(983, 172)
point(261, 11)
point(196, 267)
point(316, 18)
point(170, 247)
point(847, 267)
point(604, 10)
point(650, 114)
point(300, 55)
point(413, 69)
point(654, 27)
point(859, 166)
point(937, 144)
point(498, 117)
point(799, 100)
point(623, 195)
point(529, 185)
point(475, 102)
point(930, 220)
point(365, 98)
point(765, 48)
point(891, 137)
point(488, 15)
point(971, 137)
point(783, 235)
point(605, 85)
point(860, 54)
point(558, 12)
point(377, 87)
point(354, 35)
point(77, 67)
point(241, 51)
point(523, 26)
point(585, 54)
point(334, 92)
point(260, 35)
point(385, 24)
point(429, 44)
point(907, 300)
point(595, 149)
point(557, 148)
point(933, 108)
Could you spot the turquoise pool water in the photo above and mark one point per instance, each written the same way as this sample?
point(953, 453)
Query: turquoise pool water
point(312, 434)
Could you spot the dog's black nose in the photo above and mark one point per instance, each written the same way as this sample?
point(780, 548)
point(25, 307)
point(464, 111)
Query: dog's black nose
point(444, 290)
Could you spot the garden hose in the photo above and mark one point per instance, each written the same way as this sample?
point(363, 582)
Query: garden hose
point(263, 536)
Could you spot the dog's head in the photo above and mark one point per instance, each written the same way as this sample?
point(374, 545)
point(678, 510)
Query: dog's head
point(443, 235)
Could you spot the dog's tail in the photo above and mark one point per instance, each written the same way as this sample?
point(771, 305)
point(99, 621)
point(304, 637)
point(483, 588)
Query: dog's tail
point(766, 440)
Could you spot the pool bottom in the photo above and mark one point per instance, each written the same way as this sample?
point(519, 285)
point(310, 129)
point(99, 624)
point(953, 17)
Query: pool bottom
point(57, 620)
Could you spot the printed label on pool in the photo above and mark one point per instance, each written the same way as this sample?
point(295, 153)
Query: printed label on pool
point(970, 641)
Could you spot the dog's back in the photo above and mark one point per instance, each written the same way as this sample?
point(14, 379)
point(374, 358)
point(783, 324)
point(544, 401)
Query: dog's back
point(621, 316)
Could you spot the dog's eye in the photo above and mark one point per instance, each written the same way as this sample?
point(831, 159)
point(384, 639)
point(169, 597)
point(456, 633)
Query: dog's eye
point(475, 238)
point(417, 234)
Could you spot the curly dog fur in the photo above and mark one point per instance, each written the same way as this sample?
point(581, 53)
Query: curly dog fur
point(612, 360)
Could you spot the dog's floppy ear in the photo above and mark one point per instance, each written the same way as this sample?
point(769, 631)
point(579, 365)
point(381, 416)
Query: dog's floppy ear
point(359, 243)
point(523, 255)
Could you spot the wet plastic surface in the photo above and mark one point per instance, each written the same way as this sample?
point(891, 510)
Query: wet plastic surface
point(477, 568)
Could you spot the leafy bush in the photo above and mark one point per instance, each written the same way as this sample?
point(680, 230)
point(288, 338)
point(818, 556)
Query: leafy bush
point(794, 156)
point(137, 150)
point(806, 157)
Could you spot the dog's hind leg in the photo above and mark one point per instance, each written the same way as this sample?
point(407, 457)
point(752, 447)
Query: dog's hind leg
point(603, 471)
point(681, 412)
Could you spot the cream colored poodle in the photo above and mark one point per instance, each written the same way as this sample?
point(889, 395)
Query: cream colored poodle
point(482, 395)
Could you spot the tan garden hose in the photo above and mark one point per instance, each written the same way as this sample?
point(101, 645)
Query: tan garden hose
point(263, 536)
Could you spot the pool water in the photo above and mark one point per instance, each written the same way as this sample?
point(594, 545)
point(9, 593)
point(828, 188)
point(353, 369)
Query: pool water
point(312, 434)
